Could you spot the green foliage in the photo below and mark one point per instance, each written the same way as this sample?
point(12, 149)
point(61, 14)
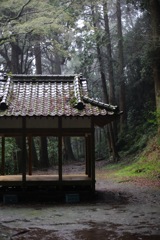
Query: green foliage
point(140, 4)
point(26, 24)
point(144, 165)
point(101, 149)
point(53, 150)
point(135, 138)
point(73, 101)
point(141, 167)
point(35, 18)
point(155, 118)
point(140, 92)
point(10, 152)
point(9, 161)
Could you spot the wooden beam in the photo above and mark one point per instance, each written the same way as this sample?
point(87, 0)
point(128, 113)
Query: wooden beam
point(10, 132)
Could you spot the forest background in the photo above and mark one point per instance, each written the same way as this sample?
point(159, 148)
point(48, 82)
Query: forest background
point(115, 44)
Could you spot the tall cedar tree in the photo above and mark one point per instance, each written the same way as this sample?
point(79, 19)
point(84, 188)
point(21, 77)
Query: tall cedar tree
point(103, 79)
point(122, 94)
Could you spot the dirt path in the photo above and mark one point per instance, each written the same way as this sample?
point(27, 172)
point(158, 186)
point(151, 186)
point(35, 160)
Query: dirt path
point(119, 211)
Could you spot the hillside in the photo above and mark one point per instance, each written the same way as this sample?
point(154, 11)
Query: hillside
point(143, 168)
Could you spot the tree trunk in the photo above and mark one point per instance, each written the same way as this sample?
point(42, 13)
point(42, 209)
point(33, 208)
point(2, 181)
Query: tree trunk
point(44, 160)
point(122, 97)
point(37, 52)
point(57, 64)
point(109, 56)
point(15, 70)
point(15, 57)
point(68, 152)
point(104, 87)
point(34, 155)
point(110, 65)
point(155, 15)
point(19, 153)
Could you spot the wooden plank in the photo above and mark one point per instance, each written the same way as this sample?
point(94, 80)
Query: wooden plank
point(50, 178)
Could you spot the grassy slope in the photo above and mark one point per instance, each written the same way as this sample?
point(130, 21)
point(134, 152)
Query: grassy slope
point(145, 165)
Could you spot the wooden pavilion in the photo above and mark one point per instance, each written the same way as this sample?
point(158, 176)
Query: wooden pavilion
point(52, 105)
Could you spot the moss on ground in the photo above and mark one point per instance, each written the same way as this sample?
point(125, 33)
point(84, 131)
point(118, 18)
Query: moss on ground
point(146, 164)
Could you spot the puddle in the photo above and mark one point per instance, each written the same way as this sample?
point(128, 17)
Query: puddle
point(25, 234)
point(112, 215)
point(110, 232)
point(95, 234)
point(92, 231)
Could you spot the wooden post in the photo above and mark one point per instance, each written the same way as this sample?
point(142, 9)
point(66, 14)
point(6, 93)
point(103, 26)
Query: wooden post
point(60, 152)
point(60, 157)
point(93, 157)
point(87, 157)
point(30, 155)
point(23, 151)
point(3, 155)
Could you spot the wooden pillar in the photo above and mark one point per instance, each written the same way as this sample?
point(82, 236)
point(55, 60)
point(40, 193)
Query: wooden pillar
point(93, 156)
point(30, 155)
point(3, 156)
point(24, 151)
point(88, 154)
point(86, 146)
point(60, 151)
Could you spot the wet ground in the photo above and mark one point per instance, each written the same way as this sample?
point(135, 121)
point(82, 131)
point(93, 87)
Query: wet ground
point(118, 211)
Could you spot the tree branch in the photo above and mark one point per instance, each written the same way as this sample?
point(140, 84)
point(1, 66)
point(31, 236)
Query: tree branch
point(20, 12)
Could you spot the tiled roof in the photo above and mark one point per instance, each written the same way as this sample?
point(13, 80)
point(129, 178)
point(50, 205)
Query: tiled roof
point(52, 95)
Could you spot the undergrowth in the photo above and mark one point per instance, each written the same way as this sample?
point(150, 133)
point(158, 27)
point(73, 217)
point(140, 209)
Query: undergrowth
point(146, 164)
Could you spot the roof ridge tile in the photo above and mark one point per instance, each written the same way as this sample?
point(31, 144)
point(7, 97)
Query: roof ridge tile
point(78, 103)
point(6, 94)
point(108, 107)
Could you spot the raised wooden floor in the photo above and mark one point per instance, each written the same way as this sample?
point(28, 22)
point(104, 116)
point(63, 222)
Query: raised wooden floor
point(47, 180)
